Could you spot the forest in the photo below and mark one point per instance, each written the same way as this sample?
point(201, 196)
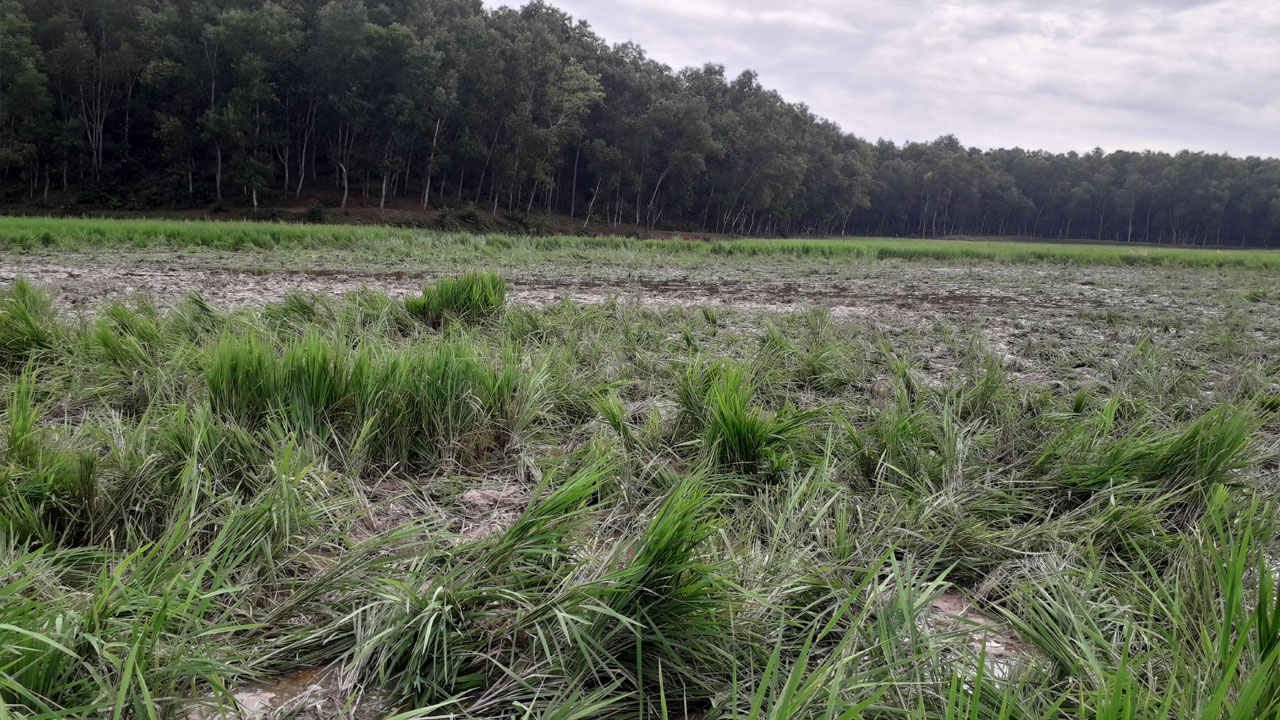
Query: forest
point(146, 105)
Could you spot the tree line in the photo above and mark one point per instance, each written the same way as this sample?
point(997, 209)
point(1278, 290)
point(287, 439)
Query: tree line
point(181, 103)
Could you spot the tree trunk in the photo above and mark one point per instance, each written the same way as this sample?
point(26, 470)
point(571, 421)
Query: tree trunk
point(573, 194)
point(217, 171)
point(487, 159)
point(284, 162)
point(649, 213)
point(302, 166)
point(431, 161)
point(591, 205)
point(345, 187)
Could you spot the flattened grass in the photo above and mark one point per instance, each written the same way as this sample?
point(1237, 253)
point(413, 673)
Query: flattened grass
point(621, 512)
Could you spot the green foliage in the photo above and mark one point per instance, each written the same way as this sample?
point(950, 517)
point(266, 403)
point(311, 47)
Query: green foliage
point(94, 233)
point(396, 406)
point(509, 115)
point(664, 611)
point(49, 491)
point(1188, 464)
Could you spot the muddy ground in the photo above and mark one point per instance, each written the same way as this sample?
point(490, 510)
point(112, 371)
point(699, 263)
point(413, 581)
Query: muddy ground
point(86, 280)
point(1019, 310)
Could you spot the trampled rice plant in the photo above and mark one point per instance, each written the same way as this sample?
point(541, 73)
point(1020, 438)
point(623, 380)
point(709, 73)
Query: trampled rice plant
point(744, 438)
point(25, 317)
point(561, 513)
point(470, 298)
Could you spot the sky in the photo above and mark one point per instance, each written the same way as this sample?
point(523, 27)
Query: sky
point(1057, 75)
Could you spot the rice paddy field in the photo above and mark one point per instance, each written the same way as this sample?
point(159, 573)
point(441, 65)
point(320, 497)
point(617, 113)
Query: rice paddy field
point(269, 471)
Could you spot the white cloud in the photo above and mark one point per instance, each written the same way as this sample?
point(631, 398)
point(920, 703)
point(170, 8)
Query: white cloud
point(809, 16)
point(1135, 74)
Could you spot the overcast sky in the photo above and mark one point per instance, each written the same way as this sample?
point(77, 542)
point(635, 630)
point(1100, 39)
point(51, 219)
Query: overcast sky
point(1116, 74)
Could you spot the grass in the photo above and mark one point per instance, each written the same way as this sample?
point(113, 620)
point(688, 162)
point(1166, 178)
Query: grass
point(21, 234)
point(471, 298)
point(740, 437)
point(615, 511)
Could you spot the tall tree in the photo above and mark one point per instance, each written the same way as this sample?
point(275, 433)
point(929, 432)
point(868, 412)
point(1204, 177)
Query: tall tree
point(147, 103)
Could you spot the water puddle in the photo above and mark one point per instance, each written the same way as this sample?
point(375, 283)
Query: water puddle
point(316, 692)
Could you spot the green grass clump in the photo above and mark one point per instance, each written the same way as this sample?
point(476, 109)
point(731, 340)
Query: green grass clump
point(394, 406)
point(471, 298)
point(24, 324)
point(48, 490)
point(744, 438)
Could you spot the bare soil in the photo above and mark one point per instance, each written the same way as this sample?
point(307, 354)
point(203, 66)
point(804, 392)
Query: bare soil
point(306, 694)
point(1020, 311)
point(85, 282)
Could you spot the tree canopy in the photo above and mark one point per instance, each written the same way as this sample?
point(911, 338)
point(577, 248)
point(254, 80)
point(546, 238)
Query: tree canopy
point(143, 104)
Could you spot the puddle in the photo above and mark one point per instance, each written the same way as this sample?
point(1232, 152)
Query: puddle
point(312, 693)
